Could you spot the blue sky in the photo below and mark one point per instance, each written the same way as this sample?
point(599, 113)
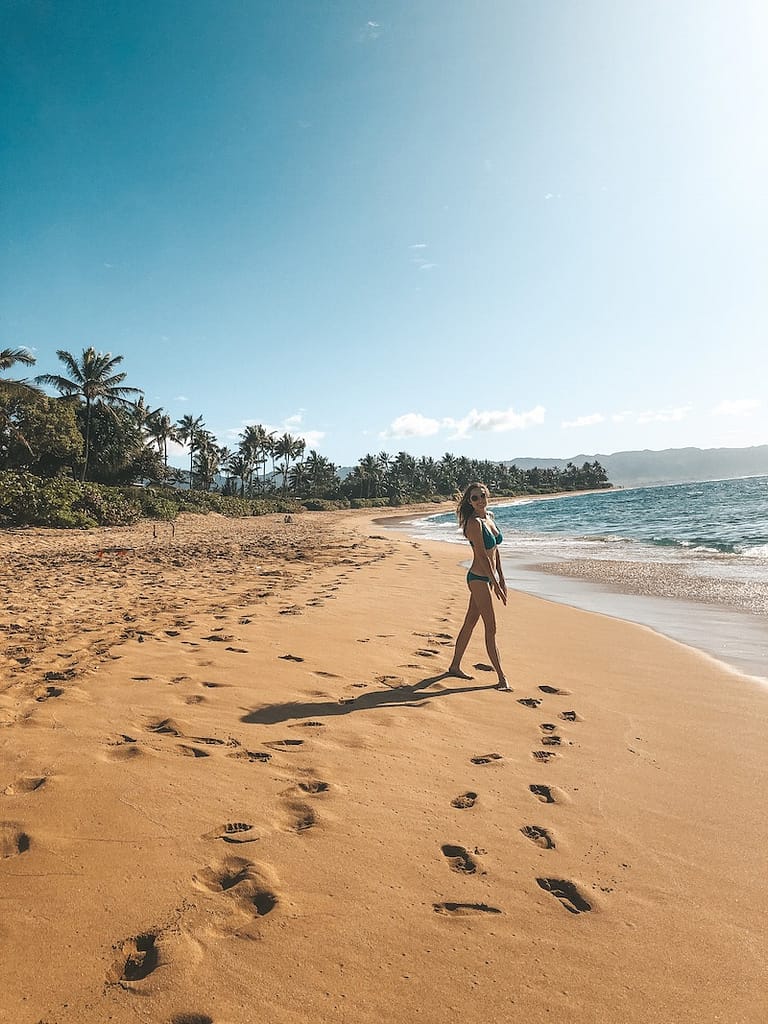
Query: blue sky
point(502, 228)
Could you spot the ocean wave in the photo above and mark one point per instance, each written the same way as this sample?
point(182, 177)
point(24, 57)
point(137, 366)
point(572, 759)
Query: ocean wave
point(721, 547)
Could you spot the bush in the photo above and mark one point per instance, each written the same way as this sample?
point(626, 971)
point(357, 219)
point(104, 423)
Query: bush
point(368, 502)
point(325, 504)
point(27, 500)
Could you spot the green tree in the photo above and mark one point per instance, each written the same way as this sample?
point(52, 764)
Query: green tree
point(162, 430)
point(39, 434)
point(188, 430)
point(11, 389)
point(92, 379)
point(288, 448)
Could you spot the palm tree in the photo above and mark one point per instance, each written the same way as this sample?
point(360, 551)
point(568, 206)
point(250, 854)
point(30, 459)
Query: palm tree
point(207, 458)
point(16, 388)
point(93, 379)
point(10, 389)
point(237, 469)
point(369, 471)
point(162, 430)
point(188, 430)
point(290, 448)
point(254, 445)
point(298, 478)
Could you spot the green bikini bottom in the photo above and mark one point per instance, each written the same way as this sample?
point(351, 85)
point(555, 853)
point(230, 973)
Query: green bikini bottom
point(480, 579)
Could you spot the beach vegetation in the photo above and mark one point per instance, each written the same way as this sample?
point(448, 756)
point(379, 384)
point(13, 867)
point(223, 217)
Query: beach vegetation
point(93, 379)
point(97, 454)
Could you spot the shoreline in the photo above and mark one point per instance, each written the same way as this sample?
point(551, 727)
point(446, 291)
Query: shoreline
point(234, 775)
point(658, 595)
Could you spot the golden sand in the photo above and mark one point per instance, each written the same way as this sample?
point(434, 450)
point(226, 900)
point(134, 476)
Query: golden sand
point(235, 787)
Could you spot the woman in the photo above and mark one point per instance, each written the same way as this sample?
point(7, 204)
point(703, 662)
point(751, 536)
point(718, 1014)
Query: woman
point(485, 575)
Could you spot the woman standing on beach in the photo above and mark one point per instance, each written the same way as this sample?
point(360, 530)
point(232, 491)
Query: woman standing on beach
point(485, 575)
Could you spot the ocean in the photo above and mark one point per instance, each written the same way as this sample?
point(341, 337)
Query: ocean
point(688, 560)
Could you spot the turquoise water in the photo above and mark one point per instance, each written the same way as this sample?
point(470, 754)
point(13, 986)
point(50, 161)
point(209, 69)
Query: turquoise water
point(718, 517)
point(689, 560)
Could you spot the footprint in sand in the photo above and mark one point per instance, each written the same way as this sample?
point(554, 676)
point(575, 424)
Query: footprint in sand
point(482, 667)
point(313, 786)
point(464, 909)
point(546, 794)
point(485, 758)
point(251, 755)
point(547, 726)
point(307, 725)
point(459, 859)
point(529, 702)
point(554, 690)
point(13, 840)
point(299, 817)
point(464, 801)
point(233, 832)
point(189, 751)
point(551, 741)
point(137, 958)
point(165, 727)
point(237, 650)
point(26, 784)
point(570, 716)
point(543, 755)
point(567, 893)
point(45, 693)
point(124, 752)
point(284, 744)
point(538, 835)
point(191, 1018)
point(290, 657)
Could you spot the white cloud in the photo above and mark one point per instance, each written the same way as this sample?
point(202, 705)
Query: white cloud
point(622, 417)
point(372, 30)
point(664, 415)
point(736, 407)
point(495, 421)
point(414, 424)
point(584, 421)
point(411, 424)
point(181, 398)
point(427, 266)
point(418, 245)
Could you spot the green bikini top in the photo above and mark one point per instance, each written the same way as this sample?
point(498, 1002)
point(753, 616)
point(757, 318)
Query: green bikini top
point(490, 539)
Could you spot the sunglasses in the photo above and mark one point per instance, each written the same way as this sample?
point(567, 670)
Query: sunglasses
point(477, 497)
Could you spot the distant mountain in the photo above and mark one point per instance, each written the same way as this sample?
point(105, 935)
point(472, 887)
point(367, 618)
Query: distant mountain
point(670, 466)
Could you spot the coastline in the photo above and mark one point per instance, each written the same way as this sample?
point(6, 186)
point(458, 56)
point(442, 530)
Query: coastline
point(233, 777)
point(716, 617)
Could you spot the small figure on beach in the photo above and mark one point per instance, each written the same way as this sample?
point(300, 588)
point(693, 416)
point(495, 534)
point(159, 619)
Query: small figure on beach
point(485, 575)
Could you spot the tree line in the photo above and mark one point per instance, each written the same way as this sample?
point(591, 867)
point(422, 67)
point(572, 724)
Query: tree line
point(101, 430)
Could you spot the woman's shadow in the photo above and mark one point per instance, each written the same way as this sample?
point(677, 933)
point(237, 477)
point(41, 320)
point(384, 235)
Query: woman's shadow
point(406, 695)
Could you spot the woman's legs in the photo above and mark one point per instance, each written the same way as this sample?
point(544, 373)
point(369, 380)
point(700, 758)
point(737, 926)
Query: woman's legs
point(470, 621)
point(481, 594)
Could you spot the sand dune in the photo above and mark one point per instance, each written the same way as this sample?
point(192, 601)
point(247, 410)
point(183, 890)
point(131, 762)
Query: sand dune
point(235, 786)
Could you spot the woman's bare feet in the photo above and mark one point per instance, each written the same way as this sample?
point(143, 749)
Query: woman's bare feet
point(503, 685)
point(454, 670)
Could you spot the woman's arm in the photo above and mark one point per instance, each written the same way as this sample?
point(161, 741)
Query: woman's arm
point(500, 574)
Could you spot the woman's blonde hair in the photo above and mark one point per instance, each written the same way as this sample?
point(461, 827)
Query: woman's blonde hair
point(464, 508)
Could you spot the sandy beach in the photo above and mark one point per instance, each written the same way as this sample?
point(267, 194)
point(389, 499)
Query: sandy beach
point(235, 787)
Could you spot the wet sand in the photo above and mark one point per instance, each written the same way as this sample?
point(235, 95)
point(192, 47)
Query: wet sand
point(235, 786)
